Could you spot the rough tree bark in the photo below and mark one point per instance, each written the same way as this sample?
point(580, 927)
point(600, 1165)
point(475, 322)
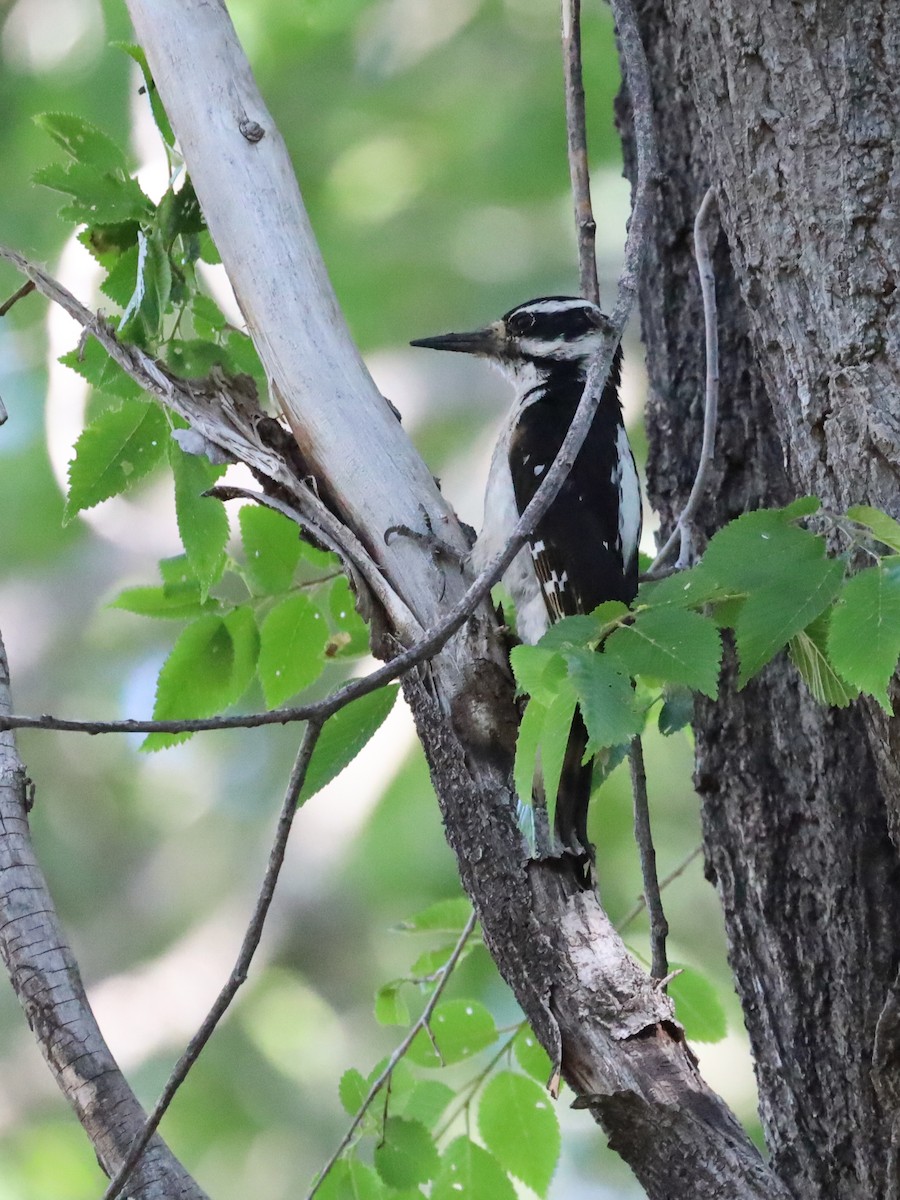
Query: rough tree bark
point(789, 110)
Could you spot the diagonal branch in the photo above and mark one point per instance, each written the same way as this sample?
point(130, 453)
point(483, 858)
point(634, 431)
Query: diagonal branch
point(238, 974)
point(422, 1022)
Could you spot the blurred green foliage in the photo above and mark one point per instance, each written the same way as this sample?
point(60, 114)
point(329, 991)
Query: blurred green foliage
point(429, 143)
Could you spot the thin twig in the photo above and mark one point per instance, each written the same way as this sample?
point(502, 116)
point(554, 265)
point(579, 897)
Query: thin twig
point(421, 1023)
point(683, 532)
point(25, 290)
point(241, 966)
point(641, 903)
point(659, 928)
point(576, 137)
point(637, 77)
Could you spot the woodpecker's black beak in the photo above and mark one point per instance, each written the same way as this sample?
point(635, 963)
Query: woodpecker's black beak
point(489, 341)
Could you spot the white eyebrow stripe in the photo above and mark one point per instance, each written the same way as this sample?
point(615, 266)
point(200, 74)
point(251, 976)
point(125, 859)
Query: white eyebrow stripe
point(556, 306)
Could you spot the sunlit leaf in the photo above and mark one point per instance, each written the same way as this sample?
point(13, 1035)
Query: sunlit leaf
point(531, 1056)
point(271, 547)
point(390, 1006)
point(349, 1179)
point(469, 1172)
point(428, 1101)
point(352, 1091)
point(460, 1028)
point(518, 1125)
point(158, 602)
point(697, 1006)
point(209, 668)
point(406, 1155)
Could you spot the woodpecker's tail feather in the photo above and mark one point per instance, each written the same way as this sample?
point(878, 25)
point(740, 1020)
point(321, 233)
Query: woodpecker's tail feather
point(574, 795)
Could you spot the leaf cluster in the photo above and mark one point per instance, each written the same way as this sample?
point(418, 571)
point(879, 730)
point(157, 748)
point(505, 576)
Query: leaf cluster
point(409, 1135)
point(766, 579)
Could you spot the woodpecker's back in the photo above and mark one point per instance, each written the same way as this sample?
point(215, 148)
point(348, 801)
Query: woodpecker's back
point(584, 550)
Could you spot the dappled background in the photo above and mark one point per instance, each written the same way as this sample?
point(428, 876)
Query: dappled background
point(429, 142)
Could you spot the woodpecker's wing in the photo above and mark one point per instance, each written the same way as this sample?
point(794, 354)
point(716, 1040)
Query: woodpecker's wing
point(585, 548)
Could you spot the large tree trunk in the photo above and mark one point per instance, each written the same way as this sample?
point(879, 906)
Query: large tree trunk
point(790, 112)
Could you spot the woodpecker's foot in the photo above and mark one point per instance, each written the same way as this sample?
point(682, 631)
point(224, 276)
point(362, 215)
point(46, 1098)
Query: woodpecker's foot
point(429, 540)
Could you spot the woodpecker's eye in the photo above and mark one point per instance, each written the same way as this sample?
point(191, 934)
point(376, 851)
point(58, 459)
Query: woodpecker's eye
point(520, 322)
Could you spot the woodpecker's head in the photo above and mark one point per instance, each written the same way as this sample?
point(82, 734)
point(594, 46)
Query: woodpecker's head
point(539, 337)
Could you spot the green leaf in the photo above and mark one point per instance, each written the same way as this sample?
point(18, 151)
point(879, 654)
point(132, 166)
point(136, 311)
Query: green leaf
point(83, 141)
point(208, 318)
point(406, 1155)
point(156, 105)
point(209, 668)
point(444, 916)
point(121, 281)
point(864, 640)
point(606, 698)
point(518, 1125)
point(803, 506)
point(293, 638)
point(808, 651)
point(469, 1172)
point(684, 589)
point(428, 1101)
point(531, 1056)
point(344, 735)
point(538, 671)
point(92, 363)
point(390, 1007)
point(158, 602)
point(349, 1179)
point(460, 1028)
point(580, 630)
point(96, 198)
point(554, 742)
point(120, 447)
point(785, 574)
point(697, 1006)
point(671, 644)
point(352, 1091)
point(677, 710)
point(885, 528)
point(527, 745)
point(271, 546)
point(202, 520)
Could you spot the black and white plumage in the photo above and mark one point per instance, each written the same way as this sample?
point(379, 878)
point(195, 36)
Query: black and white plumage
point(584, 550)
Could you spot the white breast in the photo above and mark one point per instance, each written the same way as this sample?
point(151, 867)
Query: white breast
point(520, 578)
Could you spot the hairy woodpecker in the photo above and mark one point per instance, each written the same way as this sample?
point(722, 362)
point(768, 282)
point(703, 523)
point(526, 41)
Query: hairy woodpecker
point(584, 550)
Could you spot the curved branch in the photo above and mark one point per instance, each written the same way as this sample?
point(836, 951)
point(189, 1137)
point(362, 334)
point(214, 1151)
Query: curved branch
point(47, 981)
